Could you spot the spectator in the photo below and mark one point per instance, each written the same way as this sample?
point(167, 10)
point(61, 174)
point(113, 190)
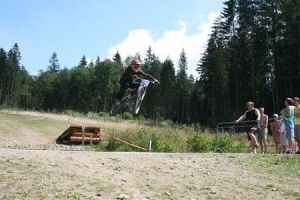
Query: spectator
point(252, 118)
point(288, 120)
point(283, 139)
point(263, 131)
point(297, 122)
point(275, 127)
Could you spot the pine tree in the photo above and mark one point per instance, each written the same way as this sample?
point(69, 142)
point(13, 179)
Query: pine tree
point(167, 89)
point(152, 66)
point(117, 59)
point(150, 59)
point(97, 60)
point(54, 63)
point(83, 61)
point(4, 73)
point(13, 61)
point(183, 91)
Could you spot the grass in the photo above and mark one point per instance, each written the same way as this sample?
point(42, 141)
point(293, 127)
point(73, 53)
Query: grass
point(287, 165)
point(165, 137)
point(18, 124)
point(295, 195)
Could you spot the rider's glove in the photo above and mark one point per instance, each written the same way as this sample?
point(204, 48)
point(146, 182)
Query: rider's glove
point(156, 81)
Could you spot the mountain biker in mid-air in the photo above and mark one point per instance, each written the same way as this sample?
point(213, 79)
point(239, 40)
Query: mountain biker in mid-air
point(126, 81)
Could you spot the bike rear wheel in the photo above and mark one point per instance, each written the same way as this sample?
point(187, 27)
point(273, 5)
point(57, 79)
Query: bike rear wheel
point(115, 109)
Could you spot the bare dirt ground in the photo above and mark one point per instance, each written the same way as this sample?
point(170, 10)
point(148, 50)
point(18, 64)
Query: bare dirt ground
point(56, 174)
point(35, 130)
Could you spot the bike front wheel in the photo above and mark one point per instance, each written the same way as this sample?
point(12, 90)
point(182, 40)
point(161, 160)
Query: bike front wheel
point(139, 99)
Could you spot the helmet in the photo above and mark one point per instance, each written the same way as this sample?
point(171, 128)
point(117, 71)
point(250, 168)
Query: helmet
point(136, 62)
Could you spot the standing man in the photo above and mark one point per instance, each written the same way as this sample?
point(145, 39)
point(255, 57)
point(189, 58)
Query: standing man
point(263, 132)
point(252, 118)
point(297, 122)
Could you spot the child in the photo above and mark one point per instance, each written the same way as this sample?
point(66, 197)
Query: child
point(275, 126)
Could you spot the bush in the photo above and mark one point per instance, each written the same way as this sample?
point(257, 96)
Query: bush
point(73, 113)
point(159, 144)
point(206, 143)
point(141, 118)
point(166, 141)
point(199, 143)
point(222, 144)
point(127, 116)
point(167, 123)
point(103, 114)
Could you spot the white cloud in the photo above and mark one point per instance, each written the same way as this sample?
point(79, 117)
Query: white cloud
point(171, 43)
point(89, 60)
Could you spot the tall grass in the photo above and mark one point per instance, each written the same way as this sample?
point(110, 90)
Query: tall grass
point(167, 140)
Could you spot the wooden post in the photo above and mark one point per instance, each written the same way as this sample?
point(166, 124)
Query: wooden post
point(150, 146)
point(82, 129)
point(91, 138)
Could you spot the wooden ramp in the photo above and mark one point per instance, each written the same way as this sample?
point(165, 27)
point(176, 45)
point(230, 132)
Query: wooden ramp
point(80, 135)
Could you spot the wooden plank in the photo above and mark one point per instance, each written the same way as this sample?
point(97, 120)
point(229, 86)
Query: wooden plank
point(79, 134)
point(86, 139)
point(132, 145)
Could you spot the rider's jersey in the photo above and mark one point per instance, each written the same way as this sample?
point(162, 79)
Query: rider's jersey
point(130, 74)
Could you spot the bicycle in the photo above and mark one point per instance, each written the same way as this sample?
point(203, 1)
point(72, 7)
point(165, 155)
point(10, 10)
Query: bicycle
point(133, 101)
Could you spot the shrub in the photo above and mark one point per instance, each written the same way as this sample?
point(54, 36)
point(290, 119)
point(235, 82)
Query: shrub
point(73, 113)
point(127, 116)
point(160, 145)
point(169, 140)
point(199, 143)
point(166, 141)
point(167, 123)
point(103, 114)
point(141, 118)
point(222, 144)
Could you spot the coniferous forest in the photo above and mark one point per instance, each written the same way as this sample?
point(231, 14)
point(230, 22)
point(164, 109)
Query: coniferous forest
point(253, 53)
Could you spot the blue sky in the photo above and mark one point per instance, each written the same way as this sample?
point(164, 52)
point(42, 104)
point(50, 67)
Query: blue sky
point(74, 28)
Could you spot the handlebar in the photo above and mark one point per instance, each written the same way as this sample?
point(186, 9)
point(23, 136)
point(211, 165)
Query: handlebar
point(156, 82)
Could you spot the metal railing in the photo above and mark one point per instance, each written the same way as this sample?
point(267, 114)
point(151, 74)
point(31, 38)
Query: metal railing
point(231, 127)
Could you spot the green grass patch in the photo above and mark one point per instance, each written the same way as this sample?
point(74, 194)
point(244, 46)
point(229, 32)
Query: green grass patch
point(14, 124)
point(295, 195)
point(287, 165)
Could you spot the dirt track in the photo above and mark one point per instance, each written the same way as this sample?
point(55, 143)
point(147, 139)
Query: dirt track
point(94, 175)
point(53, 174)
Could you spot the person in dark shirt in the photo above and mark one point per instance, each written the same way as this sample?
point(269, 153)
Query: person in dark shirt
point(133, 70)
point(251, 118)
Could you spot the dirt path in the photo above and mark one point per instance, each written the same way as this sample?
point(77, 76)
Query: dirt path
point(26, 174)
point(54, 174)
point(34, 130)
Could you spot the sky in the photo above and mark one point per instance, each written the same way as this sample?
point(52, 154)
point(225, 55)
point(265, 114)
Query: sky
point(73, 28)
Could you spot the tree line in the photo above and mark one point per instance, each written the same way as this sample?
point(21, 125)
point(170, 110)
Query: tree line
point(92, 87)
point(253, 53)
